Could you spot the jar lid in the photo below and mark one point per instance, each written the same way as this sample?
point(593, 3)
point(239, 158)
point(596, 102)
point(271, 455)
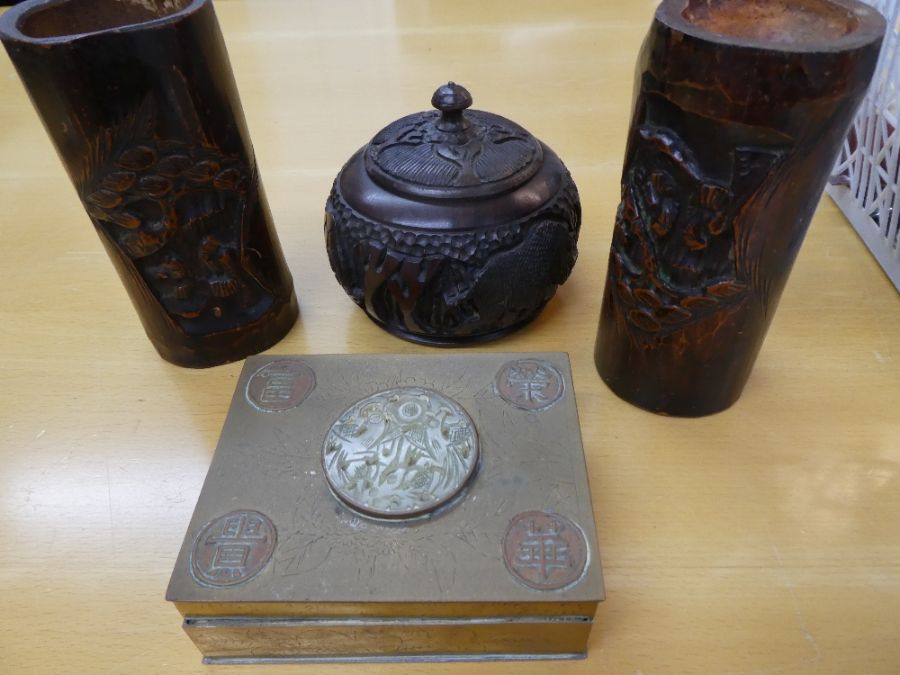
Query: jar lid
point(452, 152)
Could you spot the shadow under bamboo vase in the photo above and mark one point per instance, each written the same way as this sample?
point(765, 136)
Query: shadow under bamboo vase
point(740, 109)
point(140, 102)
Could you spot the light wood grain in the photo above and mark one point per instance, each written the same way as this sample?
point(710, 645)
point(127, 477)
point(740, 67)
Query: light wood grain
point(763, 539)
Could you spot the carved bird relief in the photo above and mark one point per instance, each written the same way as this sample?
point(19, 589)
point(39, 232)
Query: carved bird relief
point(176, 211)
point(677, 245)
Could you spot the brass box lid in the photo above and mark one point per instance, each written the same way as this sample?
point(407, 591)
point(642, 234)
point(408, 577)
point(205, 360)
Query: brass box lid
point(277, 544)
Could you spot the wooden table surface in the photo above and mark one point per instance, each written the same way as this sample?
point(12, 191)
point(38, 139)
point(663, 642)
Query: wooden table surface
point(764, 539)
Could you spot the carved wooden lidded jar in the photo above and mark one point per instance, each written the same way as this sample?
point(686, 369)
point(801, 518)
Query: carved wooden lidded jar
point(452, 226)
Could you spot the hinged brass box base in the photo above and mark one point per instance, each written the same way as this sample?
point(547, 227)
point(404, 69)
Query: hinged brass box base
point(394, 508)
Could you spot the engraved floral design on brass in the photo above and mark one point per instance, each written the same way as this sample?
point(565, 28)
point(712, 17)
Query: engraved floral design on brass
point(544, 551)
point(280, 385)
point(233, 549)
point(530, 384)
point(400, 453)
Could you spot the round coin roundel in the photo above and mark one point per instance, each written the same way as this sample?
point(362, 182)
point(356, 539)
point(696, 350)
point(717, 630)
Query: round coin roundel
point(544, 551)
point(400, 453)
point(280, 385)
point(233, 548)
point(530, 384)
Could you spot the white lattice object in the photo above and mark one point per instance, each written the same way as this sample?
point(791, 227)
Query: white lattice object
point(865, 182)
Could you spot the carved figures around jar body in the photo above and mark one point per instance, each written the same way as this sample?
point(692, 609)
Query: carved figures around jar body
point(740, 109)
point(153, 137)
point(452, 226)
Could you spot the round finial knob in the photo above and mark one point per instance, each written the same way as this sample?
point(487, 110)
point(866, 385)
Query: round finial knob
point(451, 98)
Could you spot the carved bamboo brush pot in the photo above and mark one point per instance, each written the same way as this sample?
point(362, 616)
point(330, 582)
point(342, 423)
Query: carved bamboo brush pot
point(740, 109)
point(140, 102)
point(452, 226)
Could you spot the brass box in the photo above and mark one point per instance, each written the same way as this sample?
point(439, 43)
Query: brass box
point(277, 565)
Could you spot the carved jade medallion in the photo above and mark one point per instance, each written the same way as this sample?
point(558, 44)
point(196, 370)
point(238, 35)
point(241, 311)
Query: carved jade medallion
point(400, 453)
